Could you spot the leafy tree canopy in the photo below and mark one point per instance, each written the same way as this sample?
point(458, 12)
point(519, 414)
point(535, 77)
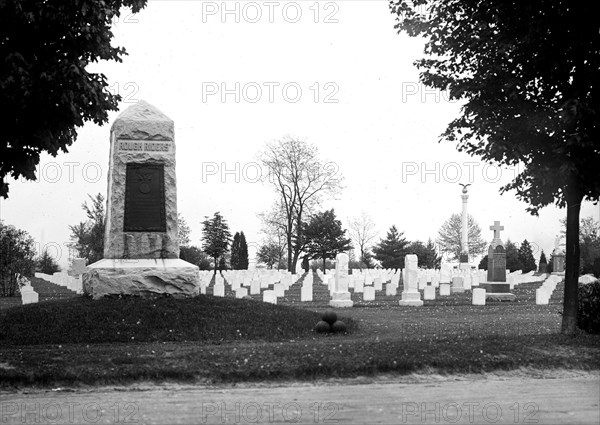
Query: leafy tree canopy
point(527, 73)
point(46, 90)
point(325, 237)
point(450, 235)
point(87, 237)
point(216, 237)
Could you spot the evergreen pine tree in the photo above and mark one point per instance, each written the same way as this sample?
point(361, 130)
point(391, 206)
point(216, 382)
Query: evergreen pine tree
point(483, 264)
point(235, 252)
point(243, 256)
point(390, 251)
point(543, 263)
point(512, 257)
point(526, 257)
point(46, 264)
point(215, 237)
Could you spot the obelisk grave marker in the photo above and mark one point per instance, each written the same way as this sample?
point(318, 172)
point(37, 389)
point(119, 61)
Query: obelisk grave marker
point(141, 249)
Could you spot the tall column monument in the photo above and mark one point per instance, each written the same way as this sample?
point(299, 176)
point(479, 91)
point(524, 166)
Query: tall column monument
point(464, 239)
point(141, 249)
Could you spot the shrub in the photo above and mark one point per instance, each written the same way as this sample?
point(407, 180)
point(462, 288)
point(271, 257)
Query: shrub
point(588, 308)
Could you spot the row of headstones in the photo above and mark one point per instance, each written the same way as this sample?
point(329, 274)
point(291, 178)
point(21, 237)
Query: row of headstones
point(427, 281)
point(250, 282)
point(414, 281)
point(544, 292)
point(73, 283)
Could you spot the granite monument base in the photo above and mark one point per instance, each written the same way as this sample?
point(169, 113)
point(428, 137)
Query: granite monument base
point(411, 299)
point(499, 291)
point(142, 277)
point(341, 300)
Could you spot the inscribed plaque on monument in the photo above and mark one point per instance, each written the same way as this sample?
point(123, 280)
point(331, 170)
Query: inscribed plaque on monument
point(145, 198)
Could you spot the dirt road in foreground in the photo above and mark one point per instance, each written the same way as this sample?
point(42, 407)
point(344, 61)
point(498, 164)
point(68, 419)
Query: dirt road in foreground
point(466, 400)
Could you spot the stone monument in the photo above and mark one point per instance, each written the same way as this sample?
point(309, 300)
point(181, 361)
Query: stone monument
point(464, 234)
point(558, 257)
point(496, 286)
point(410, 294)
point(141, 249)
point(340, 297)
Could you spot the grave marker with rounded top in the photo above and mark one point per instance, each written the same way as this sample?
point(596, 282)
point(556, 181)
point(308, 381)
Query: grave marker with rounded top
point(340, 297)
point(411, 295)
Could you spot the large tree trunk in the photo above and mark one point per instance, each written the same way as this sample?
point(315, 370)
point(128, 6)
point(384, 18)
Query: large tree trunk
point(324, 254)
point(574, 197)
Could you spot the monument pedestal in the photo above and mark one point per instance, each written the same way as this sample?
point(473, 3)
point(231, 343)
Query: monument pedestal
point(341, 299)
point(142, 277)
point(497, 291)
point(410, 298)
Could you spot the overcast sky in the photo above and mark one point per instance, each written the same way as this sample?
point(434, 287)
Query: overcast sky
point(334, 73)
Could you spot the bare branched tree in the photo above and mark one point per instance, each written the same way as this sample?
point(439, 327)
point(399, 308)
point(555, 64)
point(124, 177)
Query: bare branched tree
point(299, 178)
point(362, 231)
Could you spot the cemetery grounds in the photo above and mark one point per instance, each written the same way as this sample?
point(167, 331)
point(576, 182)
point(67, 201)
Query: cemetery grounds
point(214, 359)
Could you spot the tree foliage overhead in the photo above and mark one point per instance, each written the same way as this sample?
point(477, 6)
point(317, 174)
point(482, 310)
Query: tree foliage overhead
point(450, 235)
point(390, 251)
point(46, 91)
point(325, 237)
point(215, 237)
point(87, 237)
point(527, 72)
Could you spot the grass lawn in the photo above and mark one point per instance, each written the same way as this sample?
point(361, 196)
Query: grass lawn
point(221, 340)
